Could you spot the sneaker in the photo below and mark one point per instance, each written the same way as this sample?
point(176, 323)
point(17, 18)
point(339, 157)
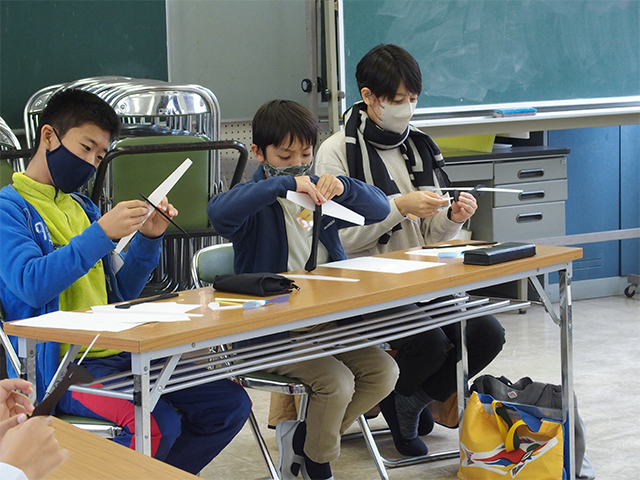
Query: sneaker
point(289, 463)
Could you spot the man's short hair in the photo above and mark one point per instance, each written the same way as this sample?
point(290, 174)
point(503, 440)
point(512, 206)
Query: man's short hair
point(383, 68)
point(73, 108)
point(280, 121)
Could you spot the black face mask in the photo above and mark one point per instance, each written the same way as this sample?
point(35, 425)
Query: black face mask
point(68, 171)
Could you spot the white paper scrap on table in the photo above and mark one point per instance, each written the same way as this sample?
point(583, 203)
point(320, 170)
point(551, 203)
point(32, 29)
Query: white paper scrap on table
point(157, 196)
point(217, 306)
point(330, 208)
point(380, 264)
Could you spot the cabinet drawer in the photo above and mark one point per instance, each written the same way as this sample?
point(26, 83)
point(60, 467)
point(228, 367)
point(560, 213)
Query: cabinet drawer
point(530, 171)
point(528, 221)
point(533, 192)
point(471, 173)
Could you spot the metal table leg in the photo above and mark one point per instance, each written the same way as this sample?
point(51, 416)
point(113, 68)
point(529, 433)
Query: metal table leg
point(140, 367)
point(566, 335)
point(27, 354)
point(565, 321)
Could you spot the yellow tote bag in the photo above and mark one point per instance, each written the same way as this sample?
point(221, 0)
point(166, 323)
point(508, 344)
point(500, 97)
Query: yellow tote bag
point(500, 441)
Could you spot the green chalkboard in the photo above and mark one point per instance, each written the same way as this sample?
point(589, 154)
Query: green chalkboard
point(44, 43)
point(489, 52)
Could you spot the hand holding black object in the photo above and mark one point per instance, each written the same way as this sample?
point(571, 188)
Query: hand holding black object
point(474, 191)
point(75, 375)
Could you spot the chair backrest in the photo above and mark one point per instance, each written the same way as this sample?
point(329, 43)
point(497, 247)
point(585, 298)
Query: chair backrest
point(211, 261)
point(135, 174)
point(6, 172)
point(8, 141)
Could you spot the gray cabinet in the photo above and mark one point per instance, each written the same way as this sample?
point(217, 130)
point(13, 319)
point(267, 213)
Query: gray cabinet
point(536, 212)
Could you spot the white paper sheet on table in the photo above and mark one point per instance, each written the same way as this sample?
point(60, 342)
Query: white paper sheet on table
point(330, 208)
point(379, 264)
point(77, 321)
point(157, 196)
point(108, 321)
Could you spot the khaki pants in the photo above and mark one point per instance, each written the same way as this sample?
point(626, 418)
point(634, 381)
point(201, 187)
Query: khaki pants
point(343, 387)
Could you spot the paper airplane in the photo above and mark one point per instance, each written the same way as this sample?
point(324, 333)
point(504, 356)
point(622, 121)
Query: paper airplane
point(158, 194)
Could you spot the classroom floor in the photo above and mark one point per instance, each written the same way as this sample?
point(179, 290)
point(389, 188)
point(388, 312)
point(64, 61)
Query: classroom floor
point(607, 384)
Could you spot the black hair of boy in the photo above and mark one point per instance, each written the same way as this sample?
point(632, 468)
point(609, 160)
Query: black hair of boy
point(383, 68)
point(280, 121)
point(73, 108)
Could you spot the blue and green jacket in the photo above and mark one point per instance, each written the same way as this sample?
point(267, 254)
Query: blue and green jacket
point(33, 273)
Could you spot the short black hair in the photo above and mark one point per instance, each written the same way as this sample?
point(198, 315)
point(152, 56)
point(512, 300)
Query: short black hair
point(72, 108)
point(279, 121)
point(383, 68)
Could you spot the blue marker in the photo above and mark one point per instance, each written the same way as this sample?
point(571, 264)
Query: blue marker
point(514, 112)
point(259, 303)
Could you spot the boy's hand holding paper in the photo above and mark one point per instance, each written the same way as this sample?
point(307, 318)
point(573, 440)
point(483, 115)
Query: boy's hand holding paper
point(330, 208)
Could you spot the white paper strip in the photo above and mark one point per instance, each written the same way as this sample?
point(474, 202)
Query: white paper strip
point(321, 277)
point(483, 189)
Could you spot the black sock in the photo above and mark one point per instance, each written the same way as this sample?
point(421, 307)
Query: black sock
point(408, 410)
point(317, 471)
point(299, 438)
point(298, 445)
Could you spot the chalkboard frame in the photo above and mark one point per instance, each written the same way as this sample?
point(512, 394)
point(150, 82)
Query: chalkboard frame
point(479, 117)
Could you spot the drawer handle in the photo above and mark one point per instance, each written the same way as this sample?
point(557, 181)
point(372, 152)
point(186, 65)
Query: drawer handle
point(529, 195)
point(531, 173)
point(529, 217)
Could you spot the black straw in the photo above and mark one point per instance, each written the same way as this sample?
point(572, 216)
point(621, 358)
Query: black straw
point(313, 257)
point(165, 216)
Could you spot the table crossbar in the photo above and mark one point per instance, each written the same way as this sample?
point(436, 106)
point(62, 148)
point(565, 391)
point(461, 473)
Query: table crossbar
point(219, 363)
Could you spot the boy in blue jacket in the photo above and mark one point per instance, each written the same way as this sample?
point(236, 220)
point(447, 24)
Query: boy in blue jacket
point(272, 234)
point(55, 253)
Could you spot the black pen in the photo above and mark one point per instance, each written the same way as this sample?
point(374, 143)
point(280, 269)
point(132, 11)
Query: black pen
point(164, 215)
point(479, 244)
point(162, 296)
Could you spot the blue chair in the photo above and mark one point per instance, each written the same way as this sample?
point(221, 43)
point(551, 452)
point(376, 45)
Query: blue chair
point(218, 260)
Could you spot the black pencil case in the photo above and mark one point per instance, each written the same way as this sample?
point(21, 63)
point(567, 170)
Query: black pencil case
point(258, 284)
point(503, 252)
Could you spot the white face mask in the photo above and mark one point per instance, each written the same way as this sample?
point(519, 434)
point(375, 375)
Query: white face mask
point(395, 118)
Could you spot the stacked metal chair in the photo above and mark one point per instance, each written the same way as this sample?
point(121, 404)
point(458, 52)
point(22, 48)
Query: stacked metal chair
point(157, 114)
point(9, 163)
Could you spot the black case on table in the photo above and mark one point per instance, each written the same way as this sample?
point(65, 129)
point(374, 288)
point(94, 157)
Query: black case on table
point(502, 252)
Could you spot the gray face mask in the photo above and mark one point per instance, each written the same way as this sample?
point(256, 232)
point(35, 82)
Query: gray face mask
point(292, 170)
